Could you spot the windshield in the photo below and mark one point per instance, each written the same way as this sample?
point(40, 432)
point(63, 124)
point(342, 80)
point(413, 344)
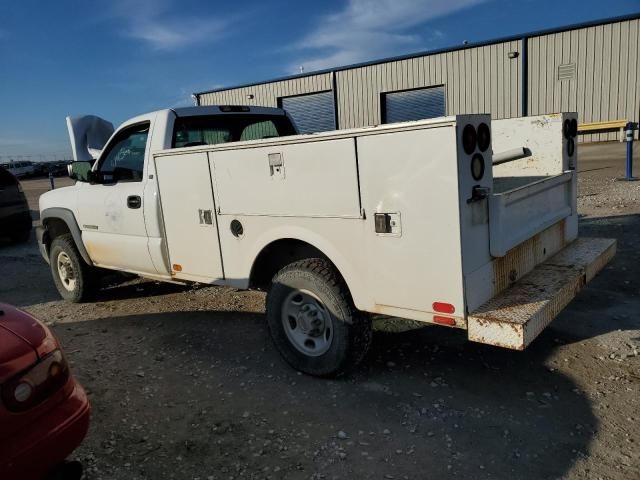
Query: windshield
point(213, 129)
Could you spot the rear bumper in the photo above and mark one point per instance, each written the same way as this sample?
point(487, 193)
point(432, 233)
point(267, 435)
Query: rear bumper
point(45, 443)
point(515, 317)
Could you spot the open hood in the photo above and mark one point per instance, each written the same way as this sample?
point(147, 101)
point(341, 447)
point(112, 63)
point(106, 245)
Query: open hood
point(88, 135)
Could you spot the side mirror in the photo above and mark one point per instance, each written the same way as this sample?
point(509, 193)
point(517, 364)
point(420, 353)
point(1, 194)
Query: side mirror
point(80, 171)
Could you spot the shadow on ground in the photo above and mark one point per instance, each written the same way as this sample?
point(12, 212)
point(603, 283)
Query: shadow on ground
point(204, 392)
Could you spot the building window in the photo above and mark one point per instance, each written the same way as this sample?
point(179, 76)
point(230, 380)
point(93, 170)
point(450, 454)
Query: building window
point(416, 104)
point(311, 113)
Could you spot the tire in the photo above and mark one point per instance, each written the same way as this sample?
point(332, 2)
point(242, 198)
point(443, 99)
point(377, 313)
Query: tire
point(312, 319)
point(75, 280)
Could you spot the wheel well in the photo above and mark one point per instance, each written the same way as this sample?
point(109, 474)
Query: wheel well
point(277, 255)
point(55, 228)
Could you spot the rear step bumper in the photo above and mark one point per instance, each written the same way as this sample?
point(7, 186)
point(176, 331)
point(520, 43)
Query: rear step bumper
point(515, 317)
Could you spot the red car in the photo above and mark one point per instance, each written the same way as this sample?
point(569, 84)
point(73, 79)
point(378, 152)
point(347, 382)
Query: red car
point(44, 412)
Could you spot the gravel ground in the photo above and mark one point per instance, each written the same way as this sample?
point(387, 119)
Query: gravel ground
point(185, 383)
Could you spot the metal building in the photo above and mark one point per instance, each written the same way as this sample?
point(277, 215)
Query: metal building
point(591, 68)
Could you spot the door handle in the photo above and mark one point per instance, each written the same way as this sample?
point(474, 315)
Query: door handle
point(134, 201)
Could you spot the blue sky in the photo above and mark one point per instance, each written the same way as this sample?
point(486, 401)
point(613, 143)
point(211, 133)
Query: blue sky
point(118, 58)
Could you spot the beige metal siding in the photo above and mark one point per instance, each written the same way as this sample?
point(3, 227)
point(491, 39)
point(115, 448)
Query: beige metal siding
point(477, 80)
point(605, 86)
point(267, 94)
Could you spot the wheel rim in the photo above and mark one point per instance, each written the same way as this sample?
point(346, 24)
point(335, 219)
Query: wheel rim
point(65, 272)
point(307, 323)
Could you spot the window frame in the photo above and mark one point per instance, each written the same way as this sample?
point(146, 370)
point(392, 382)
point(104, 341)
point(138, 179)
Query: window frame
point(117, 137)
point(278, 121)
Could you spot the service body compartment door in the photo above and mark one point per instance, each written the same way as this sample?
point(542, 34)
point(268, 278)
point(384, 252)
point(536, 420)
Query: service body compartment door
point(311, 179)
point(188, 211)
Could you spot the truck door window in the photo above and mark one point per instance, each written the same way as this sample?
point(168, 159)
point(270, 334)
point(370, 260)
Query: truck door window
point(214, 129)
point(123, 160)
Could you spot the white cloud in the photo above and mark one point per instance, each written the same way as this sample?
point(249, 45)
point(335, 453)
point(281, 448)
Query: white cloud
point(157, 24)
point(174, 34)
point(368, 29)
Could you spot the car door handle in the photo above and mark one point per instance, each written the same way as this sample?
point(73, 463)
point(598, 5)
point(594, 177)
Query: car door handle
point(134, 201)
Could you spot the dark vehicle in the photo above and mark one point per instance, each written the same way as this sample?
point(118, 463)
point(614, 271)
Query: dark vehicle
point(58, 169)
point(15, 217)
point(40, 169)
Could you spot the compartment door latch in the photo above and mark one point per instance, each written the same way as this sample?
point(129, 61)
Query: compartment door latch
point(276, 166)
point(388, 224)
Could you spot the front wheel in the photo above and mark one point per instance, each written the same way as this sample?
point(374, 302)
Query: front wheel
point(313, 321)
point(74, 279)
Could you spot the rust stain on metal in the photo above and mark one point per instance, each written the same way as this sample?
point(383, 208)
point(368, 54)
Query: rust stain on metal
point(522, 259)
point(514, 318)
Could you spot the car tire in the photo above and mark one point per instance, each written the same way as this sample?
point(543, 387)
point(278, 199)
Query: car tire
point(313, 321)
point(75, 280)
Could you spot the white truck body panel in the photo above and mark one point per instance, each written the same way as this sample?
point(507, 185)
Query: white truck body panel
point(305, 179)
point(521, 213)
point(397, 172)
point(333, 184)
point(533, 193)
point(541, 134)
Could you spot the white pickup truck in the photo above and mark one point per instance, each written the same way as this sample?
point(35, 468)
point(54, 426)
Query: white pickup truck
point(410, 220)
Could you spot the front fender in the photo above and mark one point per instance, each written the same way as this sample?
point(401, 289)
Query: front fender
point(69, 219)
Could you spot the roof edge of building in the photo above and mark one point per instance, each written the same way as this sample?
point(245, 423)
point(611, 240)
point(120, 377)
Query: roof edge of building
point(535, 33)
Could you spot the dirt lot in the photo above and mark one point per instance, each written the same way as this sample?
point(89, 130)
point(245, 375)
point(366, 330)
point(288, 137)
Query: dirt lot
point(185, 384)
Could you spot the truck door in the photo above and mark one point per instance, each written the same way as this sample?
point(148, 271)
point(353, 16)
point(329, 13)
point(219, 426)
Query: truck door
point(111, 210)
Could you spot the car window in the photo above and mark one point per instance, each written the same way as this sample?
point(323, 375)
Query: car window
point(214, 129)
point(124, 157)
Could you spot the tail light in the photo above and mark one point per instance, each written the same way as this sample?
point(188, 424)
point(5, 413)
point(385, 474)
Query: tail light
point(469, 138)
point(477, 167)
point(570, 131)
point(573, 127)
point(484, 137)
point(33, 386)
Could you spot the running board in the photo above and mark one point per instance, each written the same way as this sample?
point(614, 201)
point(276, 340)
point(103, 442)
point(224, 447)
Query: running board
point(515, 317)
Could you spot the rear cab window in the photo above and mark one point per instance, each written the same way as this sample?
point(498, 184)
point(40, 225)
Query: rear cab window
point(225, 128)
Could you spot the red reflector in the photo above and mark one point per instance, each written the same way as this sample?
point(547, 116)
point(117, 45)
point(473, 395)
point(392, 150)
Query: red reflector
point(444, 320)
point(443, 307)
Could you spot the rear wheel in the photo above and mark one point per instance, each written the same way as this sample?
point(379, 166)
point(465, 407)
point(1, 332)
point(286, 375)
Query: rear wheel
point(75, 280)
point(313, 321)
